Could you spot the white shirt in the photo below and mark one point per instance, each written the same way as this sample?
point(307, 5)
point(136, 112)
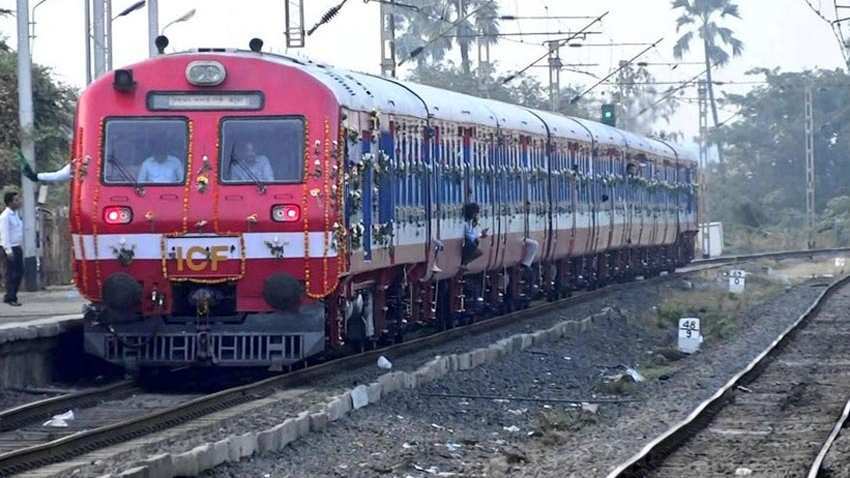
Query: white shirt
point(58, 176)
point(11, 230)
point(168, 171)
point(260, 168)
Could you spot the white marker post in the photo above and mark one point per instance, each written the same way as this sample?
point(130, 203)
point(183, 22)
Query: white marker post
point(690, 337)
point(737, 281)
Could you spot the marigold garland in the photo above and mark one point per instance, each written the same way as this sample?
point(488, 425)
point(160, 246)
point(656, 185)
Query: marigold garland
point(81, 270)
point(305, 209)
point(95, 199)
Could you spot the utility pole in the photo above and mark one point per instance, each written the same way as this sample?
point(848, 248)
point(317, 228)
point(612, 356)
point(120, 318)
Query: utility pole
point(621, 92)
point(108, 20)
point(484, 64)
point(153, 27)
point(810, 166)
point(294, 16)
point(26, 119)
point(702, 93)
point(87, 9)
point(555, 65)
point(99, 38)
point(388, 60)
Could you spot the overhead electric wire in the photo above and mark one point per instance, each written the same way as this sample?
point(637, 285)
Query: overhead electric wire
point(671, 92)
point(615, 71)
point(480, 35)
point(836, 29)
point(560, 44)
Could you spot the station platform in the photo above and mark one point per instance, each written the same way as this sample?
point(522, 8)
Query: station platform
point(42, 314)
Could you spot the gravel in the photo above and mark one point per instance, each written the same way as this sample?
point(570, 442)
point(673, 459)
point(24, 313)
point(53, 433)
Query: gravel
point(268, 416)
point(423, 432)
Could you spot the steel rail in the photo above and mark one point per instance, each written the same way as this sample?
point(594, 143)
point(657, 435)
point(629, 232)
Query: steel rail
point(656, 451)
point(74, 445)
point(16, 417)
point(815, 469)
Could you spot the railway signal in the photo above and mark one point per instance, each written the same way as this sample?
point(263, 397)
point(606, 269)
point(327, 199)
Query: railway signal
point(609, 114)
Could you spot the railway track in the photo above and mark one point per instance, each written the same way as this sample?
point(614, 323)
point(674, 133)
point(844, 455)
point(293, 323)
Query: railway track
point(101, 429)
point(777, 417)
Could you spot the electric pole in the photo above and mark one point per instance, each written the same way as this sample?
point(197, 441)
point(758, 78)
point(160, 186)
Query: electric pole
point(294, 16)
point(108, 34)
point(621, 95)
point(26, 119)
point(483, 63)
point(87, 9)
point(153, 27)
point(555, 65)
point(99, 13)
point(388, 60)
point(702, 93)
point(810, 166)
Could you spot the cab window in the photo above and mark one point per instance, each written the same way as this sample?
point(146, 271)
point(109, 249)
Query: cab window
point(141, 151)
point(262, 150)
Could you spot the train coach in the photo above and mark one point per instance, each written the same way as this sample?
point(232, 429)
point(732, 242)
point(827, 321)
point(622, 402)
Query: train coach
point(240, 208)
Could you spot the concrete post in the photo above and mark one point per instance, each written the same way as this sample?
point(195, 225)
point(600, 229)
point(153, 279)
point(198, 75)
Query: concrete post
point(99, 38)
point(26, 118)
point(87, 8)
point(153, 26)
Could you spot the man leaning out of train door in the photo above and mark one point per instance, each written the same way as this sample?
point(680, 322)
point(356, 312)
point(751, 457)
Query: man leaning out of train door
point(471, 235)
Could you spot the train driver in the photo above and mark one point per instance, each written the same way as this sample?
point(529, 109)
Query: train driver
point(247, 165)
point(161, 167)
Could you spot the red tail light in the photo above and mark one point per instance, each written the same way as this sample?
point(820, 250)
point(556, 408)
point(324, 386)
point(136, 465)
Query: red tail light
point(117, 215)
point(286, 213)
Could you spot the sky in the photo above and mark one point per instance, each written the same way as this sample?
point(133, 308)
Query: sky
point(776, 33)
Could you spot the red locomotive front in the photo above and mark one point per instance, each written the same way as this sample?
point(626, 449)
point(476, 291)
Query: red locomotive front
point(204, 196)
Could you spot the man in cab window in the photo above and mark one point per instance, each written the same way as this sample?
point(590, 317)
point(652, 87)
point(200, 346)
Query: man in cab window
point(161, 167)
point(247, 165)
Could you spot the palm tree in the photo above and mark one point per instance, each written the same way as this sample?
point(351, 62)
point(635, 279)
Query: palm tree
point(703, 17)
point(431, 25)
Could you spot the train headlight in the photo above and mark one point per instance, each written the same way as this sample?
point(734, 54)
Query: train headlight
point(205, 73)
point(117, 215)
point(286, 213)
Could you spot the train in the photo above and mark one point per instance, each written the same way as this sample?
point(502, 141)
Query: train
point(238, 208)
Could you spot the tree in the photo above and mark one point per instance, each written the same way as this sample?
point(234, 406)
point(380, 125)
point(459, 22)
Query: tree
point(703, 17)
point(640, 108)
point(763, 185)
point(528, 92)
point(432, 24)
point(53, 106)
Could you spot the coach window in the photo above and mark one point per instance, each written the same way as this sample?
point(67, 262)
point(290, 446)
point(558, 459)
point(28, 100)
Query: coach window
point(145, 151)
point(262, 150)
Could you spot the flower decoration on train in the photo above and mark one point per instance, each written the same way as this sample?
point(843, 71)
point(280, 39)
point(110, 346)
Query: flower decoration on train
point(356, 235)
point(124, 253)
point(84, 167)
point(277, 248)
point(382, 234)
point(339, 235)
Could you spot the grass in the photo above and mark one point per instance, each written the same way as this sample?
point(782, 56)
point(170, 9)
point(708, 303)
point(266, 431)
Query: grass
point(717, 309)
point(554, 424)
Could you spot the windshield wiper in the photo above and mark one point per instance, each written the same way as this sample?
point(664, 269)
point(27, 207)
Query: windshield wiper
point(261, 186)
point(140, 190)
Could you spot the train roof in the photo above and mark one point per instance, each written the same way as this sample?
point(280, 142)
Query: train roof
point(367, 92)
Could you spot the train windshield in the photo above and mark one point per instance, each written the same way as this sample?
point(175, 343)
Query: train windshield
point(262, 150)
point(145, 151)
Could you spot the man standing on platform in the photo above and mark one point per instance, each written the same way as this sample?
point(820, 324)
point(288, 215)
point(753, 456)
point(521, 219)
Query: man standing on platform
point(11, 238)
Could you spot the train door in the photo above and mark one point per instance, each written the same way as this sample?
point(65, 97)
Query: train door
point(431, 180)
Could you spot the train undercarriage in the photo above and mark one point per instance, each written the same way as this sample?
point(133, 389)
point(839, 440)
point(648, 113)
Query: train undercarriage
point(370, 310)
